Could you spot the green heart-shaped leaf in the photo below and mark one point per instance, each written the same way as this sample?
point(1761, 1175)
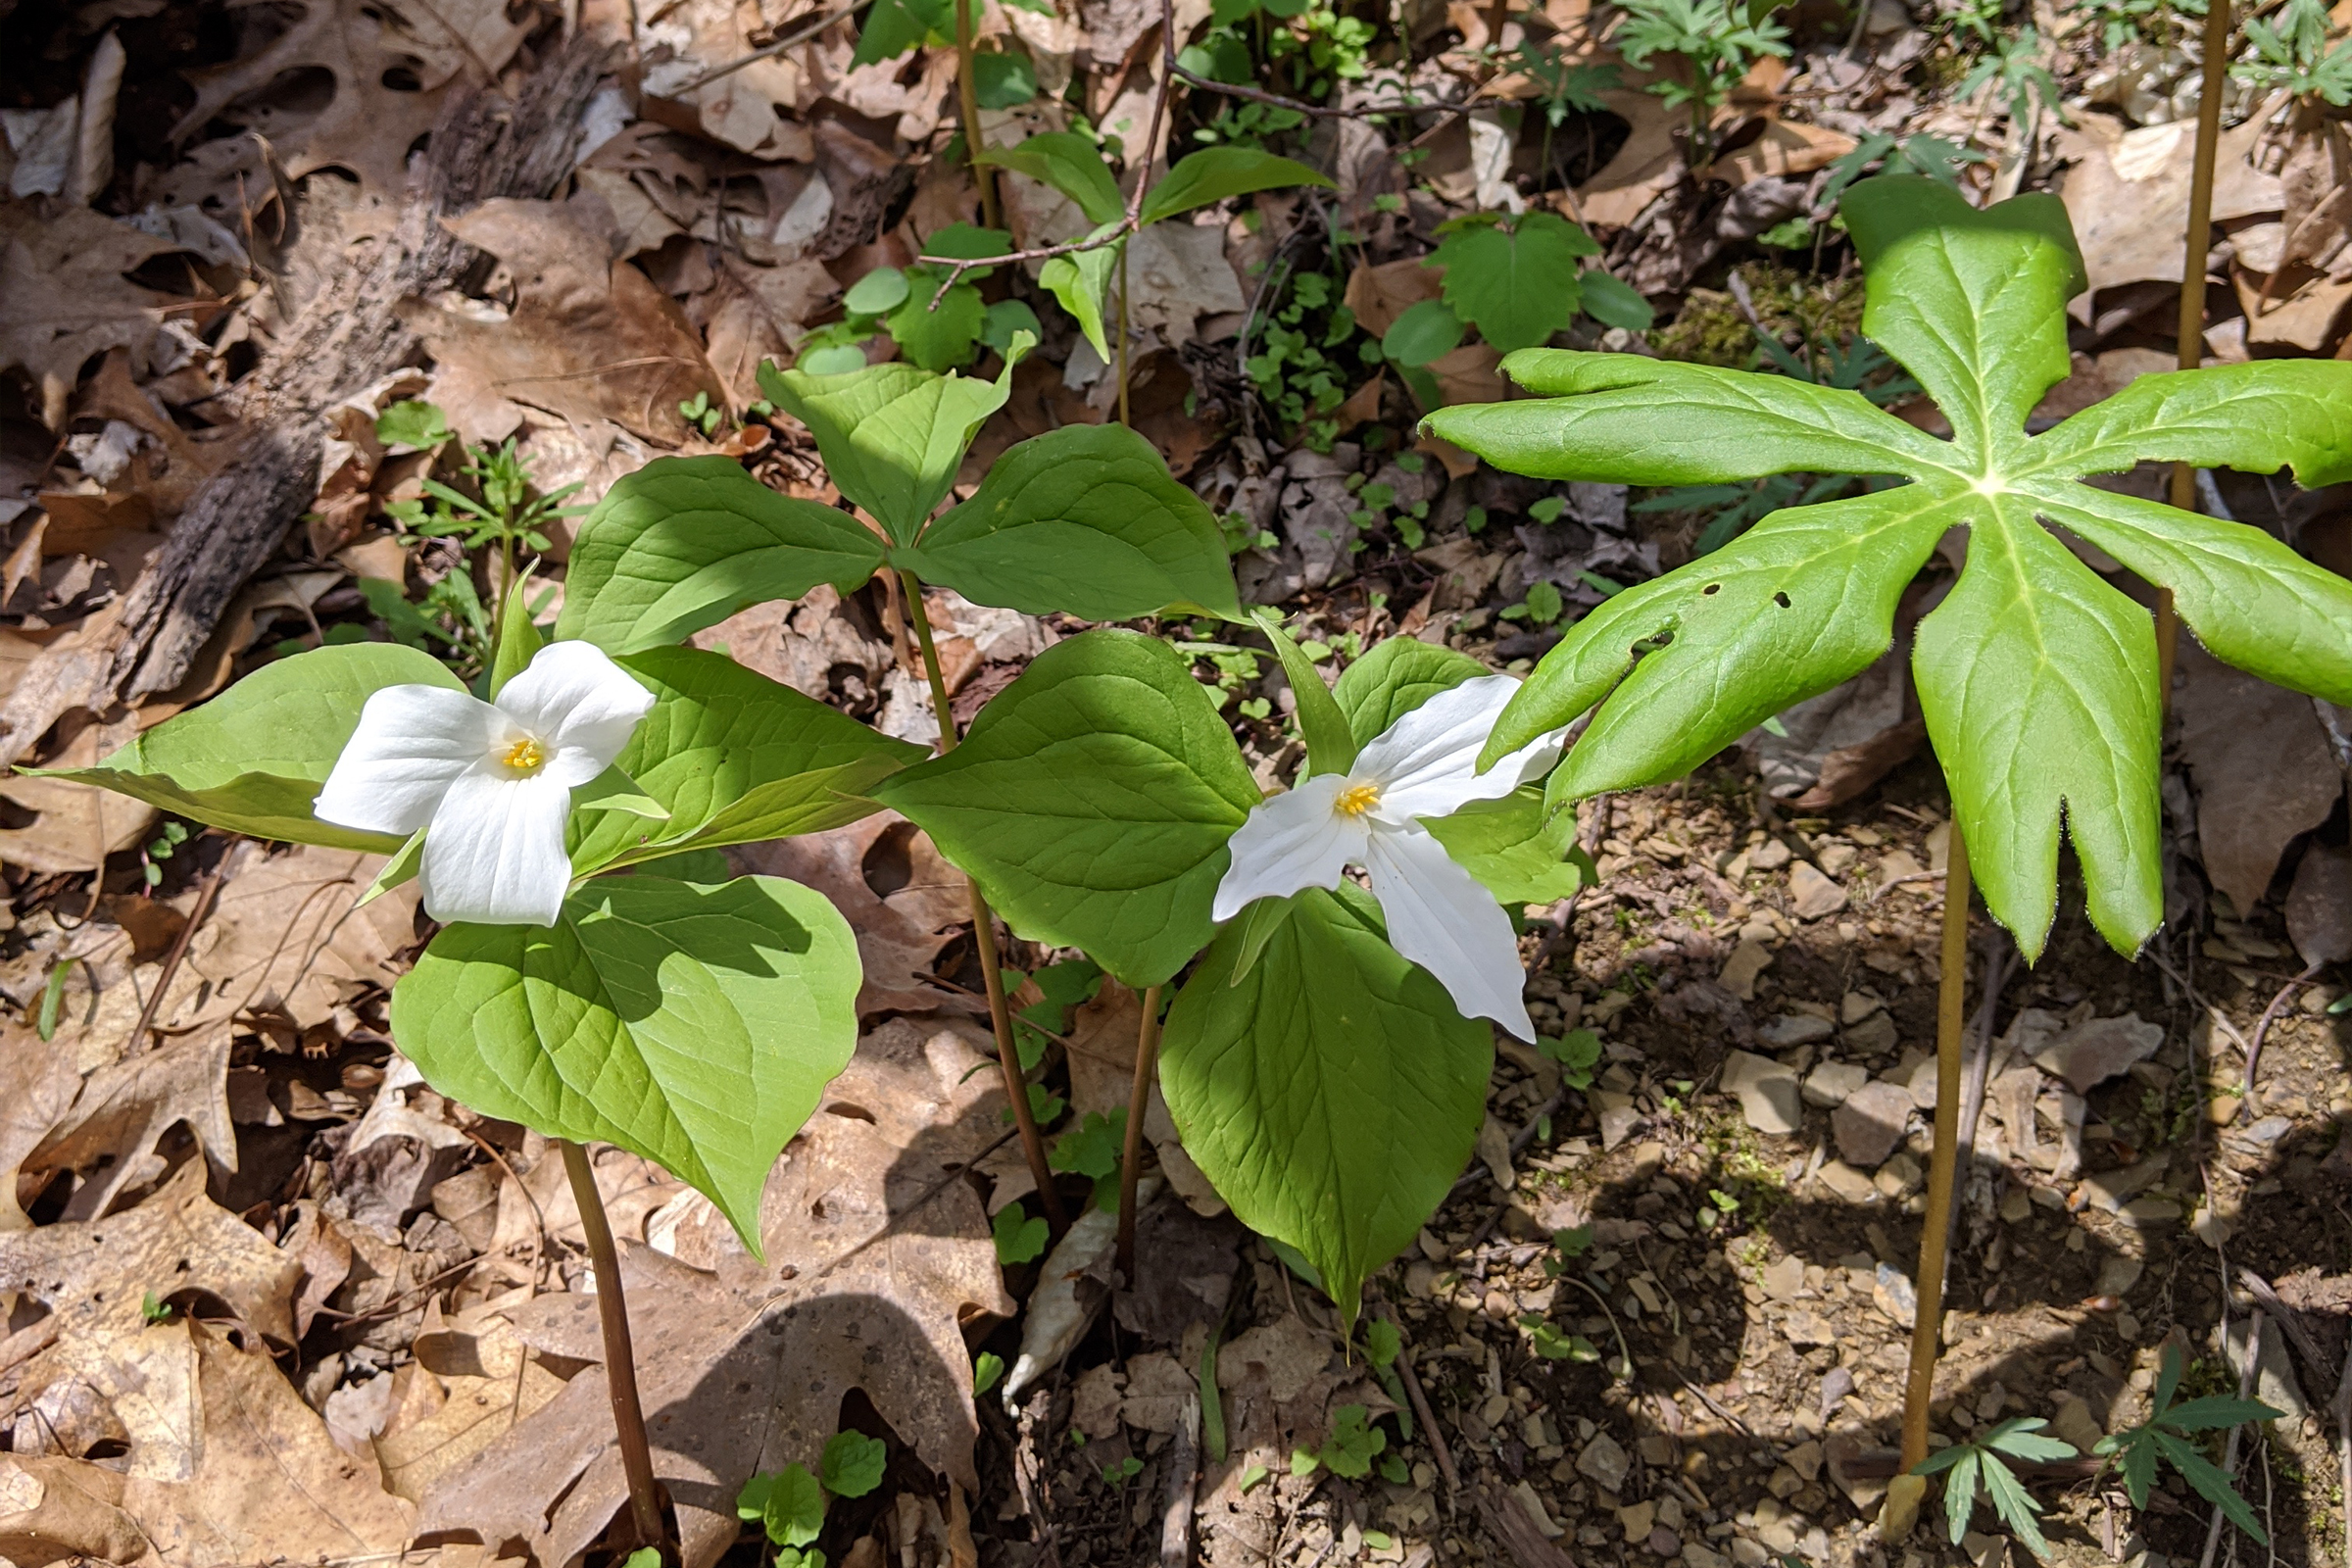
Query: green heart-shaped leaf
point(2037, 678)
point(693, 1025)
point(683, 542)
point(1086, 521)
point(253, 759)
point(1331, 1093)
point(1213, 174)
point(1069, 162)
point(1517, 285)
point(1091, 801)
point(733, 758)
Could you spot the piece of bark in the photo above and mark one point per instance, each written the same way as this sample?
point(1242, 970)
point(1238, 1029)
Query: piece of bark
point(350, 335)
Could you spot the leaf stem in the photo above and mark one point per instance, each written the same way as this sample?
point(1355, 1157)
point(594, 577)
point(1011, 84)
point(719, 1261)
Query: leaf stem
point(1131, 1159)
point(1123, 416)
point(1934, 1233)
point(620, 1358)
point(2191, 328)
point(968, 93)
point(984, 935)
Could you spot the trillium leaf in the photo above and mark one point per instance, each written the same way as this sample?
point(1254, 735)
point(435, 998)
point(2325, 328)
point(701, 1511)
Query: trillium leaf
point(2036, 677)
point(1523, 852)
point(1086, 521)
point(253, 759)
point(733, 758)
point(683, 542)
point(1091, 801)
point(693, 1025)
point(1069, 162)
point(891, 435)
point(1332, 1094)
point(1331, 745)
point(1396, 677)
point(1213, 174)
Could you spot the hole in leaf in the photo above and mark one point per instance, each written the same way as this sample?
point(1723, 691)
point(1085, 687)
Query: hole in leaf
point(1781, 600)
point(1713, 587)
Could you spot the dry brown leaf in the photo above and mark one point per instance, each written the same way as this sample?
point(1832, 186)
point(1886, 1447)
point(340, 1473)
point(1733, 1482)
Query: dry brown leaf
point(1378, 295)
point(875, 1255)
point(590, 338)
point(479, 1378)
point(170, 470)
point(2298, 309)
point(284, 938)
point(111, 1130)
point(362, 47)
point(64, 296)
point(38, 1089)
point(1646, 168)
point(1101, 1059)
point(2262, 767)
point(77, 826)
point(2319, 906)
point(893, 941)
point(1785, 147)
point(2128, 194)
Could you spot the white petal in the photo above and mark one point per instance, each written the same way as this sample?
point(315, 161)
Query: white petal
point(575, 697)
point(495, 850)
point(411, 744)
point(1444, 919)
point(1427, 763)
point(1296, 839)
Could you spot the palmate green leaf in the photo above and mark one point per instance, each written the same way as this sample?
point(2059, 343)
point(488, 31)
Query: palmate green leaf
point(1086, 521)
point(1069, 162)
point(693, 1025)
point(253, 759)
point(2021, 1435)
point(2014, 1506)
point(733, 758)
point(1960, 1490)
point(891, 435)
point(1091, 801)
point(1332, 1095)
point(2037, 678)
point(683, 542)
point(1517, 285)
point(2215, 1412)
point(1213, 174)
point(2211, 1481)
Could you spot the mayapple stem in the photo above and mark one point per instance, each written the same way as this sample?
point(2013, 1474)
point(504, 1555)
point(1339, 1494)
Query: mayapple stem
point(2198, 242)
point(984, 935)
point(620, 1359)
point(1935, 1229)
point(1131, 1159)
point(968, 95)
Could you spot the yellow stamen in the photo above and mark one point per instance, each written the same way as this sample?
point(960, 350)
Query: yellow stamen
point(525, 756)
point(1357, 798)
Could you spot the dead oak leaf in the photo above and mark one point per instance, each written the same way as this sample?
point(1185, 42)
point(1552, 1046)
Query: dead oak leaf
point(285, 937)
point(64, 296)
point(876, 1255)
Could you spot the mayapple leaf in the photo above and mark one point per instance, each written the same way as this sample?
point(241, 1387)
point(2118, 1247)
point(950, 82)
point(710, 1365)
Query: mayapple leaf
point(1086, 521)
point(2036, 677)
point(733, 758)
point(1069, 162)
point(683, 542)
point(1213, 174)
point(253, 759)
point(693, 1025)
point(1081, 283)
point(1331, 1092)
point(1517, 285)
point(891, 435)
point(1091, 801)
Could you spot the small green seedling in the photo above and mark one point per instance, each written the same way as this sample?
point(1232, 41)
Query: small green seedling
point(1348, 1451)
point(413, 424)
point(699, 413)
point(1092, 1149)
point(988, 1370)
point(1020, 1239)
point(1981, 1458)
point(1578, 1052)
point(790, 1503)
point(1718, 42)
point(2168, 1435)
point(1122, 1472)
point(1383, 1344)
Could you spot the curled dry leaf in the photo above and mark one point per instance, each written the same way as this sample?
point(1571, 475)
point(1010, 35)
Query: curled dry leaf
point(2262, 767)
point(877, 1252)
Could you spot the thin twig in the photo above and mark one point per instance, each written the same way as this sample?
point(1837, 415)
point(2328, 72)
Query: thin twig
point(2245, 1391)
point(765, 50)
point(2261, 1028)
point(1413, 1395)
point(205, 895)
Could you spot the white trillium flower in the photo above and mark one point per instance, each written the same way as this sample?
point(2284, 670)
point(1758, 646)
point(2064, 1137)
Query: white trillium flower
point(489, 782)
point(1438, 916)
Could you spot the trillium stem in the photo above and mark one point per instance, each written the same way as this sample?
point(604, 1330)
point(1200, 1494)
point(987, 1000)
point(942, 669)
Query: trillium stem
point(1935, 1229)
point(984, 936)
point(1131, 1157)
point(968, 93)
point(620, 1358)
